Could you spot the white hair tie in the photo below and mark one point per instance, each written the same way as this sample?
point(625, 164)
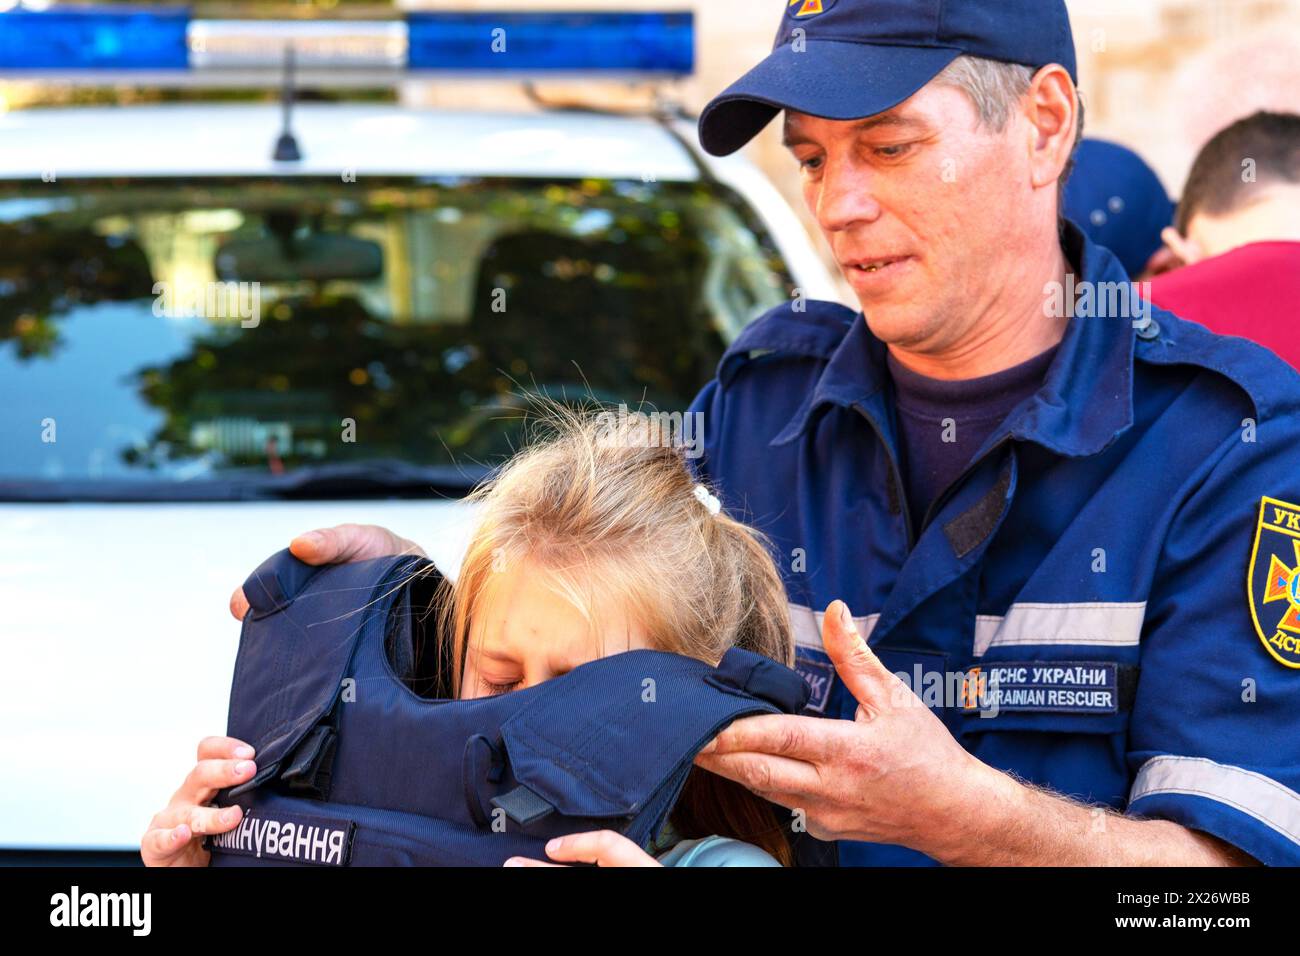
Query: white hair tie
point(709, 501)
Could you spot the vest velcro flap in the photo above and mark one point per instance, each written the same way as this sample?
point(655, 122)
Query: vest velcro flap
point(624, 728)
point(296, 647)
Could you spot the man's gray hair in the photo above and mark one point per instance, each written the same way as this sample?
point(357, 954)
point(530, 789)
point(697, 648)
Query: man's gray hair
point(996, 89)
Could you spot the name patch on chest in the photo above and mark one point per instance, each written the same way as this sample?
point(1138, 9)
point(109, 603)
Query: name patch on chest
point(292, 837)
point(1056, 687)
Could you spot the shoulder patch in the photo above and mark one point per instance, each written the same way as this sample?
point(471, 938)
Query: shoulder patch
point(1273, 580)
point(803, 9)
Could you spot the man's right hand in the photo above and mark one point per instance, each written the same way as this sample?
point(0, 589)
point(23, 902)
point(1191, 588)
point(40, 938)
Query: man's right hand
point(347, 542)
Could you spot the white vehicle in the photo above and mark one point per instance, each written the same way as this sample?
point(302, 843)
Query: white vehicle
point(204, 351)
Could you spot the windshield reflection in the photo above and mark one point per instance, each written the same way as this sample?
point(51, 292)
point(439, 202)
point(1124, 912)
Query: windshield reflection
point(394, 322)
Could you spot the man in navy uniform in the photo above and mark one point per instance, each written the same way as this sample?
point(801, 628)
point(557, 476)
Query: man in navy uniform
point(1061, 518)
point(1065, 523)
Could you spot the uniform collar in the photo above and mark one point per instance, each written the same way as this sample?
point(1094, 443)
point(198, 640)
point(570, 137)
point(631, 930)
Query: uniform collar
point(1084, 404)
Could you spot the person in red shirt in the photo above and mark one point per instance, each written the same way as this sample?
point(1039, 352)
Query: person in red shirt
point(1236, 238)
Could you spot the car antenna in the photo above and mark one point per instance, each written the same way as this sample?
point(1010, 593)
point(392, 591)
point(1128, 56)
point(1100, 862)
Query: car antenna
point(286, 147)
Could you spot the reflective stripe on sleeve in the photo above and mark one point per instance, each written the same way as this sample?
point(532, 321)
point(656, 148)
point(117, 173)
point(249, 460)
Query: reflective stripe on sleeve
point(1254, 794)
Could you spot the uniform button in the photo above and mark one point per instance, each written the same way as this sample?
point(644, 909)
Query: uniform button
point(1149, 331)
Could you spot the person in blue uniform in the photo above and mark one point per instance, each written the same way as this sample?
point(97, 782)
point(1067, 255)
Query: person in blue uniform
point(1065, 523)
point(1041, 541)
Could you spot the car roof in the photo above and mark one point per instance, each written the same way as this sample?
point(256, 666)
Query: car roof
point(238, 139)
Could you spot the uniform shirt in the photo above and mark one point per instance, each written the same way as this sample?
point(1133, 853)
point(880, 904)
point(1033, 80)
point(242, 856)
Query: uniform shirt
point(1252, 291)
point(942, 423)
point(1096, 604)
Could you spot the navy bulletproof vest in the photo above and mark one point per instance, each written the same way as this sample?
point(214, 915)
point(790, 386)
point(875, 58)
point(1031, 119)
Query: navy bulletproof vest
point(355, 767)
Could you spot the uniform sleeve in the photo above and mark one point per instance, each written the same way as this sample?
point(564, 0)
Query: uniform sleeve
point(1214, 739)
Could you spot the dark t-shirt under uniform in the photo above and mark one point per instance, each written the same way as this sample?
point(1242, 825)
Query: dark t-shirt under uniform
point(942, 424)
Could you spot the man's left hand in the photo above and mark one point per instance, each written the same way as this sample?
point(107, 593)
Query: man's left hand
point(894, 774)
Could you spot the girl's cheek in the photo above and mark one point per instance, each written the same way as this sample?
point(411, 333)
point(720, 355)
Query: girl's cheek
point(469, 682)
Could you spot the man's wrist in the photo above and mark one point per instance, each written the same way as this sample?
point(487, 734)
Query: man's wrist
point(987, 805)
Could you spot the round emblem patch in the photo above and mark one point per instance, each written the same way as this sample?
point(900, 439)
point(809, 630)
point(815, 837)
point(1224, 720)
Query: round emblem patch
point(803, 9)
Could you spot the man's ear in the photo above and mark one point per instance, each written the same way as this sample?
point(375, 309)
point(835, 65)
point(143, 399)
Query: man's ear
point(1052, 108)
point(1187, 251)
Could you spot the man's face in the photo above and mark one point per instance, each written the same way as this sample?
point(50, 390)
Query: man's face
point(919, 205)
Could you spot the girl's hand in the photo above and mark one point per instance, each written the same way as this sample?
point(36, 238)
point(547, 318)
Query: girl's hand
point(175, 834)
point(602, 847)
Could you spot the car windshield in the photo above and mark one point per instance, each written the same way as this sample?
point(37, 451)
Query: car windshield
point(243, 337)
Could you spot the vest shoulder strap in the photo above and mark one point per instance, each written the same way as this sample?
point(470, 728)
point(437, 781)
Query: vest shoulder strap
point(298, 638)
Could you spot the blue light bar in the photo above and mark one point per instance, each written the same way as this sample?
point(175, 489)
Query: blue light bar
point(91, 42)
point(551, 42)
point(95, 39)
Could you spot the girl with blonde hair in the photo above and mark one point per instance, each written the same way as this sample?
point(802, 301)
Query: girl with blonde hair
point(592, 541)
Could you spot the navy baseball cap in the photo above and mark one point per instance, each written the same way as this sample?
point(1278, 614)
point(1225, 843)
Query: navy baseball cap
point(850, 59)
point(1119, 201)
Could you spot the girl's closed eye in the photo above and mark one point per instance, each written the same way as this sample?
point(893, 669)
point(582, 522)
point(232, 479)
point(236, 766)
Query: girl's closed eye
point(494, 689)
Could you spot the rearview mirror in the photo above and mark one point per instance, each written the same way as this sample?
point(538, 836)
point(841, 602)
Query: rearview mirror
point(314, 258)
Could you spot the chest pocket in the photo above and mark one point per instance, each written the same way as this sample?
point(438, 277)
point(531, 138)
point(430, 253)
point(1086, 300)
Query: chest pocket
point(1060, 723)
